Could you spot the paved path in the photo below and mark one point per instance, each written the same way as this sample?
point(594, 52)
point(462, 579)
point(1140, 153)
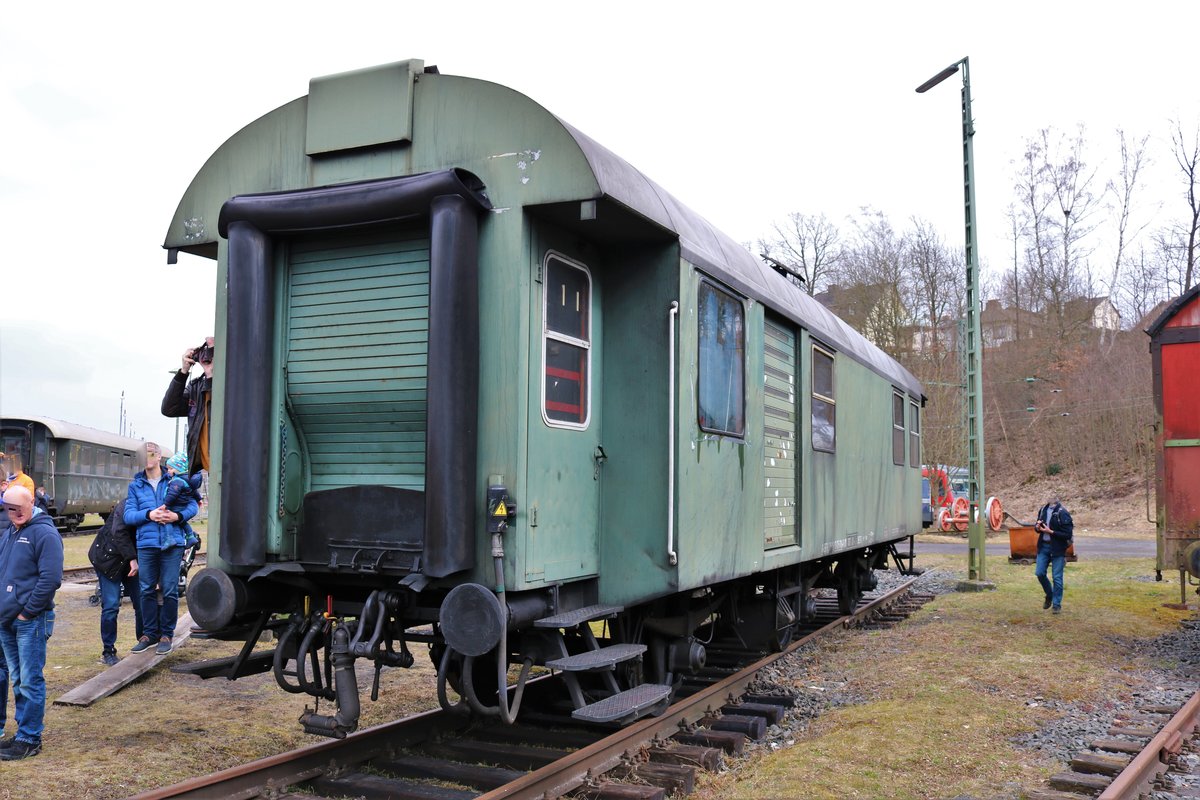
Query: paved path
point(1085, 547)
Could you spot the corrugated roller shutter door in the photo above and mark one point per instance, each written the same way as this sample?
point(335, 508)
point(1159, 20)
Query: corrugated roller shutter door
point(779, 435)
point(358, 334)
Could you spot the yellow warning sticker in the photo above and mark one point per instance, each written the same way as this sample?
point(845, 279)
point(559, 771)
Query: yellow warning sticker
point(501, 510)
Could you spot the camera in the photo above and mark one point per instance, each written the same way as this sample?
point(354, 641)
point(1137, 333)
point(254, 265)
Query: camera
point(203, 354)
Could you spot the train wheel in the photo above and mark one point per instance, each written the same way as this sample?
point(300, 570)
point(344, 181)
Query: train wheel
point(73, 523)
point(945, 520)
point(995, 513)
point(849, 591)
point(962, 510)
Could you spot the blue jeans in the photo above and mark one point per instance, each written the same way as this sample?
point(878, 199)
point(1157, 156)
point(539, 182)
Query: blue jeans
point(159, 567)
point(1056, 563)
point(24, 646)
point(110, 604)
point(3, 691)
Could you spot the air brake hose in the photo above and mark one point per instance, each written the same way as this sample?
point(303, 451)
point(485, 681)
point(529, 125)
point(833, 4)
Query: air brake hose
point(506, 714)
point(345, 720)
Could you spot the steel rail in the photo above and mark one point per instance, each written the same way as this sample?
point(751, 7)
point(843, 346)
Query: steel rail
point(1147, 765)
point(275, 773)
point(88, 574)
point(570, 772)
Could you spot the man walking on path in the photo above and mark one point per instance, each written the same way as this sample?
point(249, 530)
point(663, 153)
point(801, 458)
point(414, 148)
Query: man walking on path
point(1055, 530)
point(31, 567)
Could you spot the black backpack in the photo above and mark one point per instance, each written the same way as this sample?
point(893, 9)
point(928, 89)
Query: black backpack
point(104, 555)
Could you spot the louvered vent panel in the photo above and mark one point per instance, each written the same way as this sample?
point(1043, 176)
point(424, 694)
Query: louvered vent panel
point(779, 435)
point(358, 333)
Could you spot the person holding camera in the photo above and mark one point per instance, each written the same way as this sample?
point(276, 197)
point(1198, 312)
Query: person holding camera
point(193, 399)
point(1055, 529)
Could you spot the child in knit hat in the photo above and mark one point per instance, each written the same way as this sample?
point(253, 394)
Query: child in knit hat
point(180, 489)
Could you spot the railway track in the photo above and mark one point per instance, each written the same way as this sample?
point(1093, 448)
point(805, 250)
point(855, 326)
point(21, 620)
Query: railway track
point(441, 756)
point(88, 575)
point(1153, 752)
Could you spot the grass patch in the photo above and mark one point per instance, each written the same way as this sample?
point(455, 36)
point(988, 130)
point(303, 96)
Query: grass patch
point(948, 690)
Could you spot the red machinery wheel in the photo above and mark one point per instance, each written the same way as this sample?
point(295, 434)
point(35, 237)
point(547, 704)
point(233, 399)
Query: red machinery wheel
point(945, 521)
point(961, 510)
point(995, 513)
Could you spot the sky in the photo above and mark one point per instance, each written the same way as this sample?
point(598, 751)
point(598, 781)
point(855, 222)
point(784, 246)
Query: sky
point(746, 112)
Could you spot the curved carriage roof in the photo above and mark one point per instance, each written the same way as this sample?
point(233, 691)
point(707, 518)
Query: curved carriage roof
point(270, 155)
point(704, 245)
point(80, 433)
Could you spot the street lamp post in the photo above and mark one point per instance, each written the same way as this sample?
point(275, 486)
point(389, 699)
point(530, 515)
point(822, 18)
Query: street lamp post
point(976, 564)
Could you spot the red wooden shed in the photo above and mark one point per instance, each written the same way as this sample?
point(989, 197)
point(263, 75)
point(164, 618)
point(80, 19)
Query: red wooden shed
point(1175, 350)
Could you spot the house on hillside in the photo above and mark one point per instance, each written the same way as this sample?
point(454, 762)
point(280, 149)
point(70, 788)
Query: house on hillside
point(998, 324)
point(874, 310)
point(942, 337)
point(1093, 312)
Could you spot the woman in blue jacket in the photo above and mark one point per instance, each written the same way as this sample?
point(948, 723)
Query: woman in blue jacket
point(160, 538)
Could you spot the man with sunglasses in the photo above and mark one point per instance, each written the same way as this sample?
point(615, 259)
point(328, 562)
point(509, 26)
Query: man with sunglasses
point(193, 399)
point(31, 568)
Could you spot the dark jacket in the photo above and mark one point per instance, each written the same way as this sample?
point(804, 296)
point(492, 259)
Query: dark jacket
point(189, 399)
point(31, 567)
point(113, 547)
point(144, 497)
point(1062, 530)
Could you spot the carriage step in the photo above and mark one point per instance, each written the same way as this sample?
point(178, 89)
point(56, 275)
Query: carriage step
point(570, 619)
point(604, 658)
point(629, 704)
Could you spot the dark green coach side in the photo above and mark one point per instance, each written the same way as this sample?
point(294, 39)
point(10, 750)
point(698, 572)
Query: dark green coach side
point(429, 285)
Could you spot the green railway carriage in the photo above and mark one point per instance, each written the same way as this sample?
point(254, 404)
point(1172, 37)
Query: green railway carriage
point(84, 470)
point(477, 371)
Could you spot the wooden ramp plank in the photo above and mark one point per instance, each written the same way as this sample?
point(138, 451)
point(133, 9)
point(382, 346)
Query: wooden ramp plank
point(125, 672)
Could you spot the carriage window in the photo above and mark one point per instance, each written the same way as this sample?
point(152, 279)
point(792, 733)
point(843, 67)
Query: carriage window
point(85, 460)
point(722, 335)
point(824, 405)
point(566, 346)
point(914, 433)
point(898, 429)
point(128, 464)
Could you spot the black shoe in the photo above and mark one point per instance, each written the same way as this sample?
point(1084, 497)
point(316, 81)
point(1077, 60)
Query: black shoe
point(1056, 610)
point(7, 743)
point(19, 750)
point(1046, 604)
point(109, 658)
point(143, 645)
point(164, 646)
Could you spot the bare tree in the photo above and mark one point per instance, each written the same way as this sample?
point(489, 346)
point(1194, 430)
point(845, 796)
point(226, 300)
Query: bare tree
point(934, 278)
point(1187, 156)
point(873, 268)
point(1071, 187)
point(1133, 159)
point(808, 246)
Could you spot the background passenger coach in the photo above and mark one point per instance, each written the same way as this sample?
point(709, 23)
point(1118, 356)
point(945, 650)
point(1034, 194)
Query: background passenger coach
point(84, 470)
point(477, 372)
